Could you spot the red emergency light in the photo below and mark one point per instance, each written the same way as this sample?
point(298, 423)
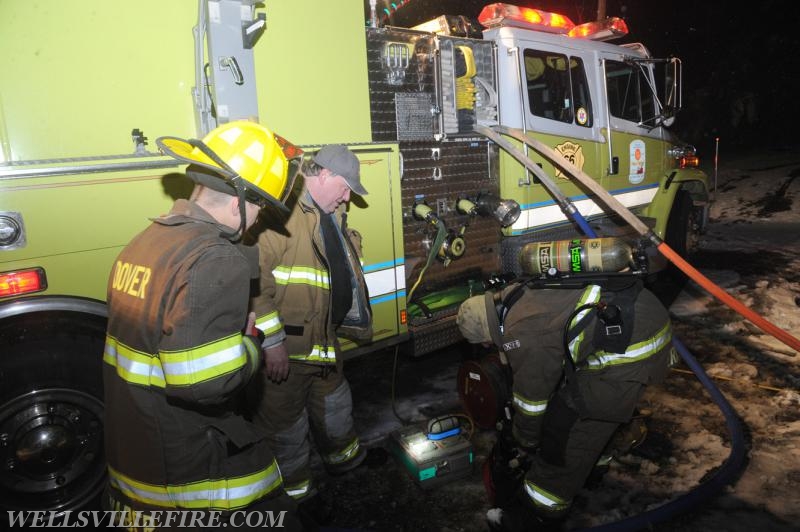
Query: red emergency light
point(499, 14)
point(22, 282)
point(601, 30)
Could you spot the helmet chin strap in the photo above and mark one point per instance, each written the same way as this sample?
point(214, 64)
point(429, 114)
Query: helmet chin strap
point(235, 236)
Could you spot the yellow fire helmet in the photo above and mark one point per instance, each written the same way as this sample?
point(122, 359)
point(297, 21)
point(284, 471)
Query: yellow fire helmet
point(244, 154)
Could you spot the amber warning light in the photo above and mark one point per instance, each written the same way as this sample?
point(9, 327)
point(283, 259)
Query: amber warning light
point(601, 30)
point(500, 14)
point(22, 282)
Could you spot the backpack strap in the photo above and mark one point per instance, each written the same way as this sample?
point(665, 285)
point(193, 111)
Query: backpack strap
point(616, 314)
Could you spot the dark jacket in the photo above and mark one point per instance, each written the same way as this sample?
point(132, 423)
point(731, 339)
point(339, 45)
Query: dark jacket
point(175, 363)
point(295, 301)
point(534, 345)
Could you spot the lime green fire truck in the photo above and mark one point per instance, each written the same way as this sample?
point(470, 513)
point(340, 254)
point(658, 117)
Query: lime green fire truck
point(87, 85)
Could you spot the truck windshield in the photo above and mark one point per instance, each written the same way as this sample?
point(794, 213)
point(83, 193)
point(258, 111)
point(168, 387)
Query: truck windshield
point(629, 93)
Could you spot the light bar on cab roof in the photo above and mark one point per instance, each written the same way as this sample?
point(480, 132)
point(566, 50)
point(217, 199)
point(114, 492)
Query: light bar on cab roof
point(601, 30)
point(499, 14)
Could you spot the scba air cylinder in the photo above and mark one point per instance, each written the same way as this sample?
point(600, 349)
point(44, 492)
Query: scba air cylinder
point(575, 256)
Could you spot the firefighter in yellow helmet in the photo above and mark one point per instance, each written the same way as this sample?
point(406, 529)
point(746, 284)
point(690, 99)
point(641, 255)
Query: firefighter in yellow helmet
point(180, 345)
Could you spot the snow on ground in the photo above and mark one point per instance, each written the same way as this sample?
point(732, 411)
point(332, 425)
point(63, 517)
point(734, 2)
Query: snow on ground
point(751, 250)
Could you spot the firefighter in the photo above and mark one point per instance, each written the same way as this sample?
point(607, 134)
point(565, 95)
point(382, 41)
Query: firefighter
point(580, 359)
point(312, 290)
point(179, 347)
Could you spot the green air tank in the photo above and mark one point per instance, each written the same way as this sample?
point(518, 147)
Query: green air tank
point(576, 255)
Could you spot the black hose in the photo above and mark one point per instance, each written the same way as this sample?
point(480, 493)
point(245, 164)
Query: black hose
point(723, 476)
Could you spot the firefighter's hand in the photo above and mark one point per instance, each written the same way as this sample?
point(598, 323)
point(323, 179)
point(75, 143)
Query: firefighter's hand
point(276, 362)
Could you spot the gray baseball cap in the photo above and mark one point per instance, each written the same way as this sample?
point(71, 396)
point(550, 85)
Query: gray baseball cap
point(341, 161)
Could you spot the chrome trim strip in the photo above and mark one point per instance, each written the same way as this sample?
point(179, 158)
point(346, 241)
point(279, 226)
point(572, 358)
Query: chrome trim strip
point(17, 307)
point(87, 169)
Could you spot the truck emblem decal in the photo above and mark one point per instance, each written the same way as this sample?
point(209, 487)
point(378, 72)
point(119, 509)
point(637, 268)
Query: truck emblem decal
point(581, 116)
point(573, 153)
point(638, 160)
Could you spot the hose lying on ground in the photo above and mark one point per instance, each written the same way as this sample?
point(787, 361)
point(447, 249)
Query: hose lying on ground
point(725, 475)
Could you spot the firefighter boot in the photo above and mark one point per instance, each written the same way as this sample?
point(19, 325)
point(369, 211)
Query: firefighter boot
point(336, 470)
point(315, 511)
point(626, 438)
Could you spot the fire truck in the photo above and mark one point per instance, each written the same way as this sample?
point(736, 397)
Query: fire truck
point(88, 85)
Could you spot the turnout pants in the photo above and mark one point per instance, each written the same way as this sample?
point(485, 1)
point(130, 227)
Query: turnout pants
point(313, 399)
point(572, 444)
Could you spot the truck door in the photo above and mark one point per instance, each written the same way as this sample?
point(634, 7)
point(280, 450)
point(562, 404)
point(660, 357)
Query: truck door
point(559, 109)
point(378, 219)
point(635, 153)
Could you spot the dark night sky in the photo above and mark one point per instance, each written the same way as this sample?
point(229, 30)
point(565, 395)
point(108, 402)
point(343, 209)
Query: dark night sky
point(733, 58)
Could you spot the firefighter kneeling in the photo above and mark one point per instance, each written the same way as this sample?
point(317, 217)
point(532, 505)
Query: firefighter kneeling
point(580, 358)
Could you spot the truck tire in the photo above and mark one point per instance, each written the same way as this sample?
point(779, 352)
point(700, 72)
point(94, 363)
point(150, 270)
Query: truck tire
point(682, 233)
point(51, 411)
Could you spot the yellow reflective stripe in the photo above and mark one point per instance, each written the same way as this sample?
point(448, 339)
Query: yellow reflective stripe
point(345, 455)
point(544, 498)
point(318, 354)
point(223, 494)
point(634, 353)
point(133, 366)
point(253, 353)
point(591, 294)
point(604, 460)
point(298, 490)
point(301, 275)
point(191, 366)
point(530, 408)
point(269, 323)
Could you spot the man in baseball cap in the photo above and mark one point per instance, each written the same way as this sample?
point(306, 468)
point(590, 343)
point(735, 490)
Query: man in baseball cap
point(340, 161)
point(313, 291)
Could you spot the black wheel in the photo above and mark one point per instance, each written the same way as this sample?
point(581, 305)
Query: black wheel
point(683, 236)
point(683, 228)
point(51, 411)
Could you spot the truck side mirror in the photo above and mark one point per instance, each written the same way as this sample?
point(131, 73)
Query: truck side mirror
point(673, 90)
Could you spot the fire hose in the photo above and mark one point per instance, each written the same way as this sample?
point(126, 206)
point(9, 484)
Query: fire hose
point(633, 221)
point(722, 477)
point(733, 464)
